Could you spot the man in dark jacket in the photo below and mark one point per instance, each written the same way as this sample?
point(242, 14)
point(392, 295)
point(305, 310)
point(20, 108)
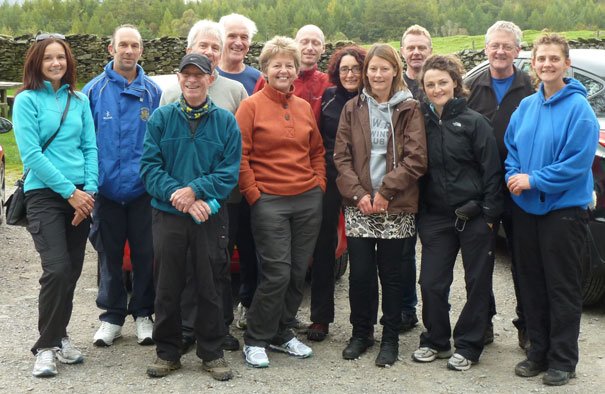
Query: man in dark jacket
point(121, 99)
point(496, 93)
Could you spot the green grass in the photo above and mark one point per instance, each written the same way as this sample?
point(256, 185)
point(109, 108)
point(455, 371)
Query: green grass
point(453, 44)
point(14, 167)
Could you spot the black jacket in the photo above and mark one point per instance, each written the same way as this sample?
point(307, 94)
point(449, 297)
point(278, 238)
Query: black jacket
point(332, 102)
point(463, 161)
point(483, 100)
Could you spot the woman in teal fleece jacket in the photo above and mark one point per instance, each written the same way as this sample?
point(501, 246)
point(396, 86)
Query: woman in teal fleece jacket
point(551, 141)
point(59, 188)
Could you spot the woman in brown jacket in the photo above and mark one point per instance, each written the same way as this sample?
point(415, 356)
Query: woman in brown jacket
point(380, 153)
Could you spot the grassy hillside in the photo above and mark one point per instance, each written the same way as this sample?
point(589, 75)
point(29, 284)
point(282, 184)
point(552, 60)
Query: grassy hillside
point(444, 45)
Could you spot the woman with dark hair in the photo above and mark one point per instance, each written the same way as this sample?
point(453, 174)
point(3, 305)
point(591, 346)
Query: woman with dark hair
point(55, 134)
point(380, 152)
point(344, 71)
point(551, 140)
point(460, 202)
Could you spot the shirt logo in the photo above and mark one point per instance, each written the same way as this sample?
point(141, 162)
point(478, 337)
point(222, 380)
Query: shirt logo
point(457, 124)
point(144, 114)
point(107, 116)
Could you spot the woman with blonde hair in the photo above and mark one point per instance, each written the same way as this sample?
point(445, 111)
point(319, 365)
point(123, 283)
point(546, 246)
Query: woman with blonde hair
point(283, 177)
point(380, 152)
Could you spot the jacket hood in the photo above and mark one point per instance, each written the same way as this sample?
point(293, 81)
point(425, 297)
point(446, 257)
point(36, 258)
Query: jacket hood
point(572, 86)
point(397, 98)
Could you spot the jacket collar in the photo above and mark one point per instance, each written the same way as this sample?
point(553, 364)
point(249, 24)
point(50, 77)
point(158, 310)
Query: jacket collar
point(307, 74)
point(485, 79)
point(137, 82)
point(452, 108)
point(277, 96)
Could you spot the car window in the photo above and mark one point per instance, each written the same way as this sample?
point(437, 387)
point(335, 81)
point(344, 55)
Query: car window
point(595, 89)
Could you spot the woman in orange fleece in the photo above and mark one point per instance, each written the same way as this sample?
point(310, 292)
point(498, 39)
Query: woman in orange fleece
point(283, 177)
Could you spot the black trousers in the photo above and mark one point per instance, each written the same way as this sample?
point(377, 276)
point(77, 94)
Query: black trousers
point(175, 236)
point(409, 296)
point(217, 230)
point(441, 242)
point(324, 257)
point(285, 231)
point(366, 256)
point(114, 224)
point(248, 261)
point(548, 249)
point(61, 247)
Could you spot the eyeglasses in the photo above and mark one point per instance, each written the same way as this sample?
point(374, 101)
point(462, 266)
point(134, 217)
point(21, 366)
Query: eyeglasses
point(505, 47)
point(46, 36)
point(356, 70)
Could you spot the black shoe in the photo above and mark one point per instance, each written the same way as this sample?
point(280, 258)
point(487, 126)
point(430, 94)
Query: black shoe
point(528, 368)
point(388, 354)
point(230, 342)
point(356, 347)
point(187, 342)
point(408, 321)
point(554, 377)
point(523, 339)
point(488, 336)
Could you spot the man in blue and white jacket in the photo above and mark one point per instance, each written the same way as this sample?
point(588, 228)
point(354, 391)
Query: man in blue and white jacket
point(122, 98)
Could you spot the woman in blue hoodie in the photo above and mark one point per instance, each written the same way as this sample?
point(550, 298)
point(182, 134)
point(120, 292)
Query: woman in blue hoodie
point(59, 187)
point(551, 140)
point(380, 152)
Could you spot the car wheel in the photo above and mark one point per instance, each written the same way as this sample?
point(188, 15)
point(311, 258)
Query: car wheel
point(593, 270)
point(340, 266)
point(2, 191)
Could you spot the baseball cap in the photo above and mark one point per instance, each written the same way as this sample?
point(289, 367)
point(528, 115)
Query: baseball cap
point(200, 61)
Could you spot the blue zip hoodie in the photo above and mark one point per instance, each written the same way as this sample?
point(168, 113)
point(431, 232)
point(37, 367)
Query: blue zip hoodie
point(71, 158)
point(207, 159)
point(120, 111)
point(553, 141)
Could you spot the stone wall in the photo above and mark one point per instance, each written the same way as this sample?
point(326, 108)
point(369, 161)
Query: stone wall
point(162, 55)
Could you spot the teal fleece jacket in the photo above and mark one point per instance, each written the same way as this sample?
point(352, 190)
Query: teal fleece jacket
point(553, 141)
point(174, 157)
point(71, 158)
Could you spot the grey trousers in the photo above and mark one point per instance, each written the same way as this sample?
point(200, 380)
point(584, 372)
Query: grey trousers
point(285, 229)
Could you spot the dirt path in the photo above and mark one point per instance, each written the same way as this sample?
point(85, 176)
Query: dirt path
point(121, 368)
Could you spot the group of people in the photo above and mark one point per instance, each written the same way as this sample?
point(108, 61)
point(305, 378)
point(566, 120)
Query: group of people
point(268, 159)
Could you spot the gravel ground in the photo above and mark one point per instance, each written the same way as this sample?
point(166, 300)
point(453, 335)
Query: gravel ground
point(121, 368)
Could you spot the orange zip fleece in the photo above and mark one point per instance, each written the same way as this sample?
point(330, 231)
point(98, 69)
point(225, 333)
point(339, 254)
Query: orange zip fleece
point(282, 149)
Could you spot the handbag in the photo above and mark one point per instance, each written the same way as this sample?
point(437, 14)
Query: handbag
point(15, 205)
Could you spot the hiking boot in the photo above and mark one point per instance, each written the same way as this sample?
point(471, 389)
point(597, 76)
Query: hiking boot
point(488, 336)
point(409, 320)
point(219, 369)
point(187, 342)
point(230, 342)
point(528, 368)
point(241, 317)
point(144, 330)
point(45, 365)
point(555, 377)
point(294, 347)
point(425, 354)
point(161, 368)
point(317, 332)
point(69, 354)
point(256, 356)
point(388, 354)
point(356, 347)
point(107, 333)
point(459, 363)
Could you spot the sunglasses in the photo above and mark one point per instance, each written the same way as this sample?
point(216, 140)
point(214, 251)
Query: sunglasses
point(46, 36)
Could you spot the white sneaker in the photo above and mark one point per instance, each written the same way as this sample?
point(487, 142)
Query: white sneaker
point(241, 321)
point(426, 354)
point(69, 354)
point(106, 334)
point(45, 363)
point(256, 356)
point(459, 363)
point(144, 330)
point(295, 348)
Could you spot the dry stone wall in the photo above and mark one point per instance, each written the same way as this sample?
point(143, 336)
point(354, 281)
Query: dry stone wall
point(162, 55)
